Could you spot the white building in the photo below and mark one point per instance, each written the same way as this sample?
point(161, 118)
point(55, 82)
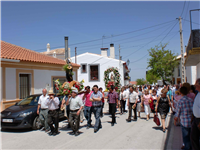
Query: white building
point(190, 72)
point(193, 51)
point(93, 67)
point(25, 72)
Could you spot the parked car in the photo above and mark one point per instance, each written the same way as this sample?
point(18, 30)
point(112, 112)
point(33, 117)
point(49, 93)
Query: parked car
point(24, 114)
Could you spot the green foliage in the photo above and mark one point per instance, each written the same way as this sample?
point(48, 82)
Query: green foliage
point(151, 78)
point(141, 81)
point(162, 62)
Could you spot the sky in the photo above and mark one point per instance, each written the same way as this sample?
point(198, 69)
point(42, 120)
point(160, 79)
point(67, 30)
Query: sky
point(135, 26)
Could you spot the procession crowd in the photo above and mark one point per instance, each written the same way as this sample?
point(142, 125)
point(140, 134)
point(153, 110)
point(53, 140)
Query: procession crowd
point(182, 100)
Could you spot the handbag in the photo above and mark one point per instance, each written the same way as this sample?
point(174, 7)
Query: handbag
point(156, 120)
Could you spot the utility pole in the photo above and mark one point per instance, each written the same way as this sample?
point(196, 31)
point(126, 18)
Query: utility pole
point(182, 52)
point(75, 56)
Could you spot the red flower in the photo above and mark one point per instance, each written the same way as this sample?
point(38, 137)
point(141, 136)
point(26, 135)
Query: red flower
point(57, 88)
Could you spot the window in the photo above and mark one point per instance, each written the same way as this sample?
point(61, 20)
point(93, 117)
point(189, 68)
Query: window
point(94, 73)
point(83, 68)
point(24, 85)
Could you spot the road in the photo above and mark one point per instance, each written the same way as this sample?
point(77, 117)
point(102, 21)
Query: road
point(140, 134)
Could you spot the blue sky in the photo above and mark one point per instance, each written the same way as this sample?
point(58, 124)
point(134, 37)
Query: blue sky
point(34, 24)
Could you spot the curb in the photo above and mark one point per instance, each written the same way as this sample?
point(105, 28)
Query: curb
point(167, 139)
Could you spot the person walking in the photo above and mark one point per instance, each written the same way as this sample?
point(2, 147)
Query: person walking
point(162, 106)
point(184, 111)
point(154, 97)
point(88, 105)
point(76, 105)
point(195, 130)
point(132, 104)
point(122, 100)
point(113, 103)
point(101, 90)
point(42, 110)
point(95, 98)
point(145, 101)
point(139, 92)
point(53, 113)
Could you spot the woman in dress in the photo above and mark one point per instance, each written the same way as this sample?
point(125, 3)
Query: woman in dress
point(162, 106)
point(139, 92)
point(150, 89)
point(155, 97)
point(145, 101)
point(122, 100)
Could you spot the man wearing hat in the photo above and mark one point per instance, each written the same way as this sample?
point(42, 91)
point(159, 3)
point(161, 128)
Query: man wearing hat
point(76, 105)
point(53, 114)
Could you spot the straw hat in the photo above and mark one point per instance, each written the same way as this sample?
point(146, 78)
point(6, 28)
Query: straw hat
point(51, 93)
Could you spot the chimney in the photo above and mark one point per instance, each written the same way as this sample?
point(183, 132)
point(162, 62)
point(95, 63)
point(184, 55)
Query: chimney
point(54, 54)
point(69, 52)
point(48, 47)
point(112, 51)
point(104, 52)
point(66, 47)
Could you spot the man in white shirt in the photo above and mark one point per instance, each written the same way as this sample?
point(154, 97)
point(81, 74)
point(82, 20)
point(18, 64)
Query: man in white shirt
point(53, 113)
point(76, 105)
point(42, 110)
point(126, 94)
point(195, 130)
point(132, 103)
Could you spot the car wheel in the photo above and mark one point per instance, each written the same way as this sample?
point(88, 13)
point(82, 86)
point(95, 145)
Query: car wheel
point(36, 123)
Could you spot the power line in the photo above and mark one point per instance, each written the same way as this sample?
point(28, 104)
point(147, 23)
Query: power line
point(150, 41)
point(186, 12)
point(114, 35)
point(192, 22)
point(183, 8)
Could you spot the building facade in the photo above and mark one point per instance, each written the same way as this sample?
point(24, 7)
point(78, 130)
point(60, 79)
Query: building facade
point(25, 72)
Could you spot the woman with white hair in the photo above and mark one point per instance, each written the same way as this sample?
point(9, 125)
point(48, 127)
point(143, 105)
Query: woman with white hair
point(146, 98)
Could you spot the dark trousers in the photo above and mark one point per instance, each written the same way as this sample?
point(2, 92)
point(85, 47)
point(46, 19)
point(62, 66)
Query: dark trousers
point(87, 113)
point(97, 113)
point(112, 110)
point(102, 109)
point(53, 118)
point(122, 103)
point(130, 111)
point(74, 121)
point(186, 137)
point(195, 134)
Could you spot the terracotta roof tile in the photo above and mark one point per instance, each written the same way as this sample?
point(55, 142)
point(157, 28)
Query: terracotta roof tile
point(133, 82)
point(58, 51)
point(10, 51)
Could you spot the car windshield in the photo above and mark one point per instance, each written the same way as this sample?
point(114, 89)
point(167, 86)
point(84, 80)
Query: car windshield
point(30, 100)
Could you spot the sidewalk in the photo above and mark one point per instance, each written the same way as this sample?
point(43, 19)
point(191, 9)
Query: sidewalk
point(174, 137)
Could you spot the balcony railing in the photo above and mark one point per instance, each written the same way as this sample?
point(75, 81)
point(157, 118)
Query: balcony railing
point(194, 40)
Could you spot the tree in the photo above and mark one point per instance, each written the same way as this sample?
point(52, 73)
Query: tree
point(162, 62)
point(152, 78)
point(141, 81)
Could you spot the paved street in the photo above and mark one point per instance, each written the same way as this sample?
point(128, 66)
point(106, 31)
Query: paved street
point(134, 135)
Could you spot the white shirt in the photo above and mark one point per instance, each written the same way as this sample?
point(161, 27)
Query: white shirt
point(122, 95)
point(42, 101)
point(75, 103)
point(196, 106)
point(53, 104)
point(159, 91)
point(133, 97)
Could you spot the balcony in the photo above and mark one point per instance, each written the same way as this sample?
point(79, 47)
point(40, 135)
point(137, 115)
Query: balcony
point(193, 49)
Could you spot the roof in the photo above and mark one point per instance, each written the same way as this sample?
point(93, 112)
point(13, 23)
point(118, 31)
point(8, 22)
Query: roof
point(11, 51)
point(97, 55)
point(179, 57)
point(58, 51)
point(133, 82)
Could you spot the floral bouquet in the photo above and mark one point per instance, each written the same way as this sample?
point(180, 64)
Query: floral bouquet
point(67, 87)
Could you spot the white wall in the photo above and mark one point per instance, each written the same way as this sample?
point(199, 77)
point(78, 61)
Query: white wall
point(43, 77)
point(104, 63)
point(1, 92)
point(198, 70)
point(10, 83)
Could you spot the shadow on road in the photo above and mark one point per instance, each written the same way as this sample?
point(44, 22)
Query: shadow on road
point(17, 130)
point(158, 128)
